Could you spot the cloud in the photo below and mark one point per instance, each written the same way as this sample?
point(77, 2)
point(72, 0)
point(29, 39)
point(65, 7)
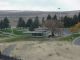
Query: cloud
point(45, 5)
point(70, 4)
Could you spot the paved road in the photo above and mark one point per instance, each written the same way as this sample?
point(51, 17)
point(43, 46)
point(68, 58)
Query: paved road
point(77, 41)
point(8, 50)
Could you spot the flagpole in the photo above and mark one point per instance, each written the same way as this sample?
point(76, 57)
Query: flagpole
point(59, 14)
point(59, 19)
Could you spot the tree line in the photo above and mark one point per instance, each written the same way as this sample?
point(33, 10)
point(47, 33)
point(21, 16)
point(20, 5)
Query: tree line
point(4, 23)
point(67, 21)
point(31, 24)
point(71, 21)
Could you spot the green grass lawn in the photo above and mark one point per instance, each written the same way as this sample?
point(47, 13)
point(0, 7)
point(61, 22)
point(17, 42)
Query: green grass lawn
point(18, 35)
point(6, 35)
point(70, 38)
point(13, 31)
point(22, 38)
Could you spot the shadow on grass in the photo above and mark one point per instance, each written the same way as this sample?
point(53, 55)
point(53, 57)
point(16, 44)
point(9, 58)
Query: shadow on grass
point(25, 38)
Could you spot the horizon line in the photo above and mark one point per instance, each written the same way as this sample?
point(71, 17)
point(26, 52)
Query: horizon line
point(40, 10)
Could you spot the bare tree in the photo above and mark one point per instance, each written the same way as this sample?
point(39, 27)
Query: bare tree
point(54, 26)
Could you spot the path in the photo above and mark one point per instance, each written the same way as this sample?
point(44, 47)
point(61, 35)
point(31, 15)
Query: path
point(76, 41)
point(8, 50)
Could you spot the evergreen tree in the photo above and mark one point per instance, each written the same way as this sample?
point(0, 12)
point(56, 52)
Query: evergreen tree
point(36, 22)
point(2, 24)
point(29, 22)
point(5, 22)
point(31, 28)
point(75, 19)
point(21, 22)
point(55, 17)
point(68, 22)
point(79, 17)
point(49, 17)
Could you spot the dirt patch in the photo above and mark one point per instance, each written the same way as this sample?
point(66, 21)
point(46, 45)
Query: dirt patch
point(54, 50)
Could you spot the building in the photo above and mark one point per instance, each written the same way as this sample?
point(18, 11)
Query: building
point(39, 32)
point(62, 31)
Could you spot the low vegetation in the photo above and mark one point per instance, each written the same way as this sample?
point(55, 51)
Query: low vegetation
point(8, 34)
point(12, 35)
point(70, 38)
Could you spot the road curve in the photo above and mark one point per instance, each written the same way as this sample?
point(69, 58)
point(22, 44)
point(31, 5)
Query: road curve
point(8, 50)
point(76, 41)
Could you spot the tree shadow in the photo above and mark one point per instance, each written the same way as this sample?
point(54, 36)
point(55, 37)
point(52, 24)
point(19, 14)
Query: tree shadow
point(4, 57)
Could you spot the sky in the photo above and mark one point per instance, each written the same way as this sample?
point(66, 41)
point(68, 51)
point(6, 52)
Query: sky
point(40, 5)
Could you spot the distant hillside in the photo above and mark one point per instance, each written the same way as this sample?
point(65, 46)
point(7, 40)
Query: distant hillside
point(16, 13)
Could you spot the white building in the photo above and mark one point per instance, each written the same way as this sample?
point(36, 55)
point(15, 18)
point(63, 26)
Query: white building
point(39, 32)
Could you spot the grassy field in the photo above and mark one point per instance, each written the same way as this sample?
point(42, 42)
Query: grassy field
point(9, 35)
point(12, 35)
point(70, 38)
point(27, 48)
